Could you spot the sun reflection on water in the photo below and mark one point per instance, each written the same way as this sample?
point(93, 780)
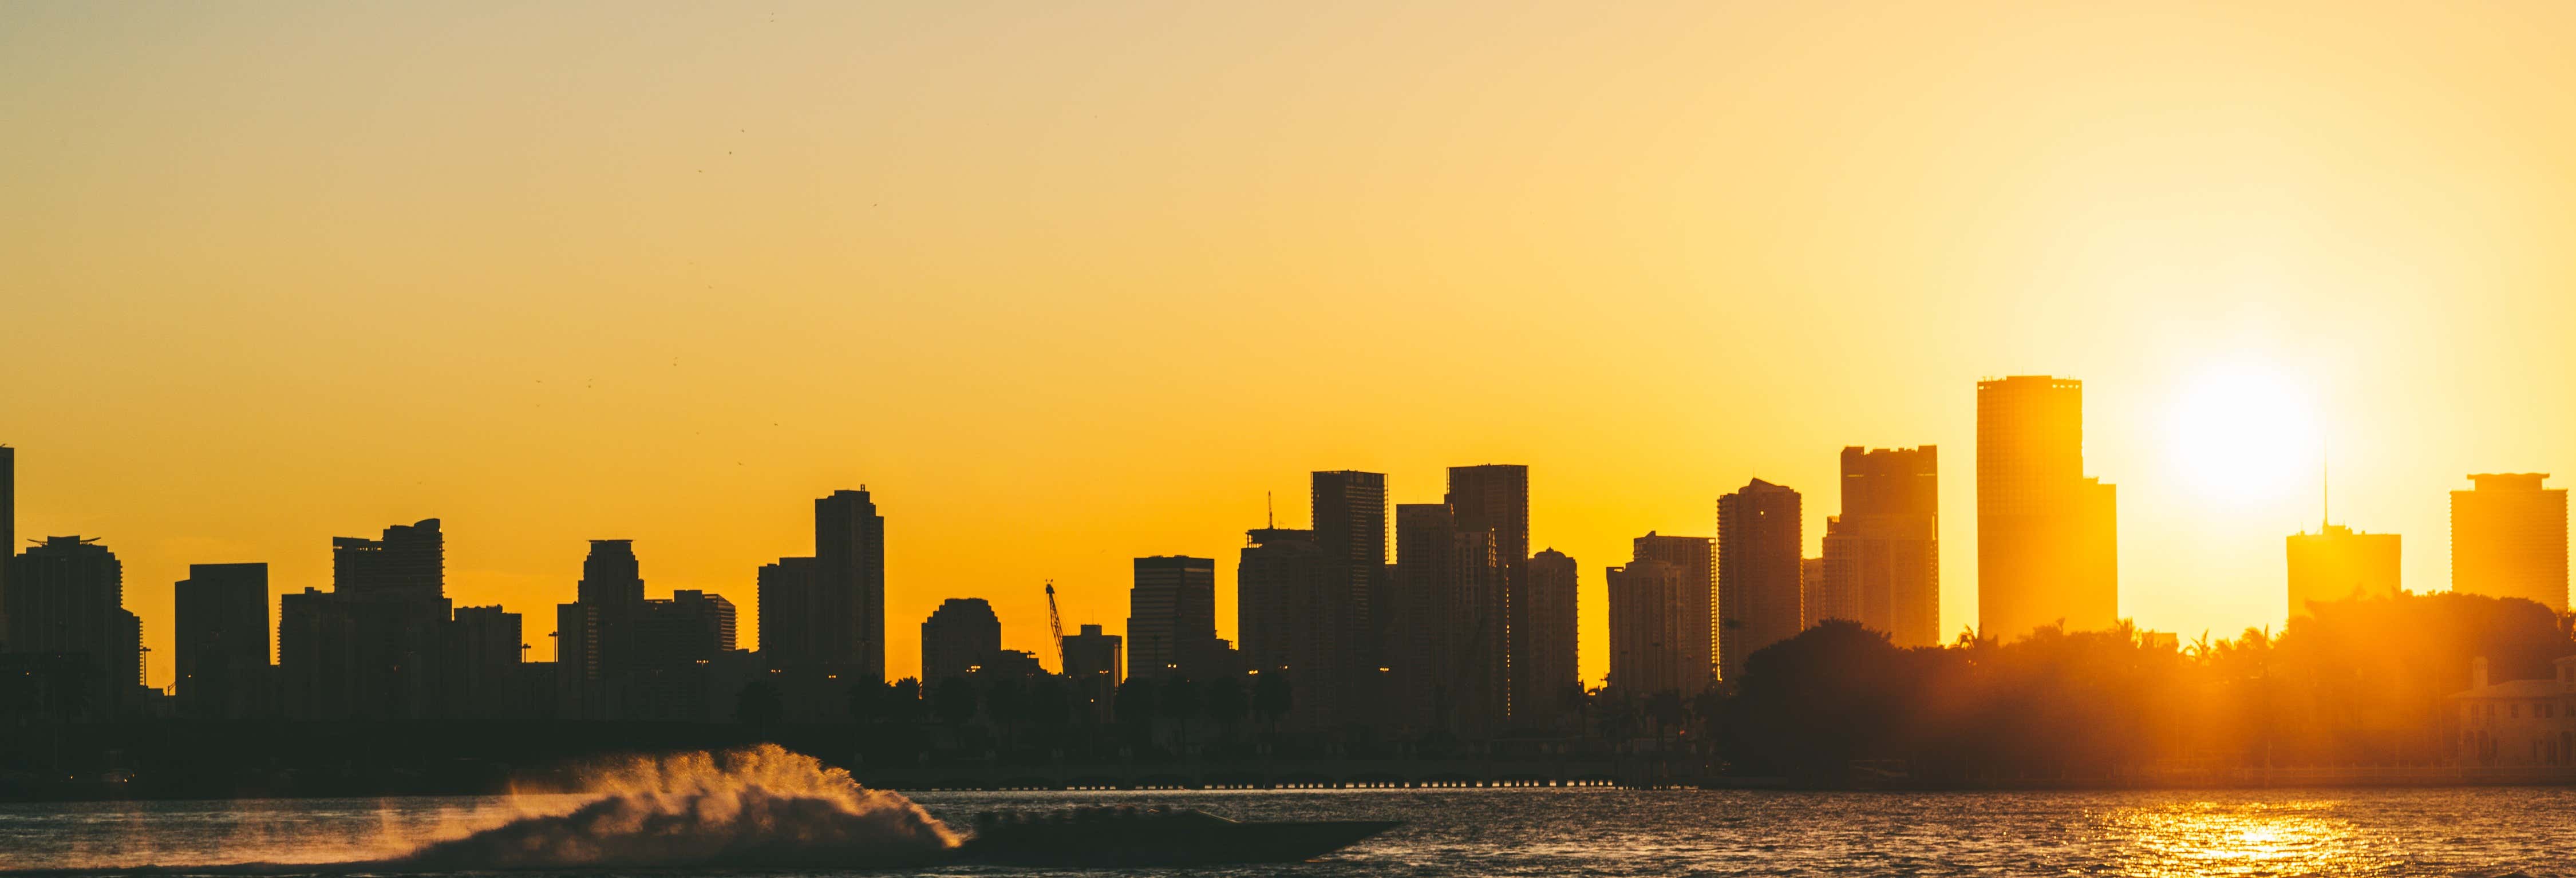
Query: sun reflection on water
point(2226, 838)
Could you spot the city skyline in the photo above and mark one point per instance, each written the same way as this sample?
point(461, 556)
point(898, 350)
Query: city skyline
point(1593, 656)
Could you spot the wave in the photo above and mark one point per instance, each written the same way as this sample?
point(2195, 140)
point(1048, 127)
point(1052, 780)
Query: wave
point(759, 807)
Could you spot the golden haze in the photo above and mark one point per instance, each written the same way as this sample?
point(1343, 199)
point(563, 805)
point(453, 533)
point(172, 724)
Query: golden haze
point(1066, 286)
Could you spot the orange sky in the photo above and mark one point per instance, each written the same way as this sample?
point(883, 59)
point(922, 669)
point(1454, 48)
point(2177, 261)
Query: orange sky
point(1070, 284)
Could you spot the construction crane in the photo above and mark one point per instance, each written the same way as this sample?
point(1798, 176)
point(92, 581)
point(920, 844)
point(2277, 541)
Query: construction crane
point(1055, 626)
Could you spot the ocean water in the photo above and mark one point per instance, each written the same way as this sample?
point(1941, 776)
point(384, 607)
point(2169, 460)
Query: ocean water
point(1573, 831)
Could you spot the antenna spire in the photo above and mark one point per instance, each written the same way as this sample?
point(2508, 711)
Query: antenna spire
point(1270, 509)
point(2325, 484)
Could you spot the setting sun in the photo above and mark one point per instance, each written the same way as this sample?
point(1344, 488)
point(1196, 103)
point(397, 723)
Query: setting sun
point(2244, 433)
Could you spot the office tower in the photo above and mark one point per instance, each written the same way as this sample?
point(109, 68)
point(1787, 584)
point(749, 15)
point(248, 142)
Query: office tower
point(1351, 529)
point(1171, 618)
point(408, 561)
point(1759, 563)
point(959, 637)
point(1494, 498)
point(1446, 657)
point(2338, 562)
point(1094, 665)
point(1092, 654)
point(1882, 562)
point(610, 574)
point(67, 599)
point(2509, 539)
point(786, 603)
point(1653, 645)
point(1691, 606)
point(484, 648)
point(1545, 673)
point(2047, 536)
point(849, 583)
point(221, 629)
point(690, 626)
point(317, 656)
point(1278, 582)
point(1816, 602)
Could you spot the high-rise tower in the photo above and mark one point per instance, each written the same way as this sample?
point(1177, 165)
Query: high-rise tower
point(1350, 528)
point(848, 600)
point(1882, 562)
point(2047, 535)
point(1759, 571)
point(2509, 539)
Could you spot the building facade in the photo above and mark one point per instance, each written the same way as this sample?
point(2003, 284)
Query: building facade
point(2509, 539)
point(1882, 555)
point(1760, 563)
point(2047, 535)
point(222, 637)
point(961, 636)
point(1171, 619)
point(2338, 562)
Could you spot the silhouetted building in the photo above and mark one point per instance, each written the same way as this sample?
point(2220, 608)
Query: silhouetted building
point(1091, 655)
point(2047, 536)
point(482, 665)
point(959, 637)
point(1653, 645)
point(1494, 498)
point(1278, 581)
point(408, 561)
point(2338, 562)
point(1882, 560)
point(1351, 529)
point(1171, 618)
point(1759, 567)
point(1545, 670)
point(1447, 659)
point(786, 602)
point(373, 646)
point(221, 630)
point(2509, 539)
point(67, 598)
point(848, 603)
point(689, 627)
point(606, 602)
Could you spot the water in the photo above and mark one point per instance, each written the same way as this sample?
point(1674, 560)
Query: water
point(1577, 831)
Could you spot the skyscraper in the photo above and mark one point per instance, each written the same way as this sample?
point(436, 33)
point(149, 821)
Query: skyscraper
point(67, 598)
point(2509, 539)
point(1171, 618)
point(849, 583)
point(1882, 561)
point(408, 561)
point(1350, 528)
point(221, 629)
point(1653, 644)
point(1446, 654)
point(481, 667)
point(1545, 672)
point(959, 637)
point(1494, 498)
point(1759, 566)
point(2338, 562)
point(2047, 535)
point(786, 602)
point(1682, 600)
point(610, 574)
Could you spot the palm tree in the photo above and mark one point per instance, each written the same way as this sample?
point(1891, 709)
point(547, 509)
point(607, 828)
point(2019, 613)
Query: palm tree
point(1181, 700)
point(1271, 698)
point(1226, 702)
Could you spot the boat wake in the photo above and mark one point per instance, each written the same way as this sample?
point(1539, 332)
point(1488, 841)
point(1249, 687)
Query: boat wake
point(761, 807)
point(764, 806)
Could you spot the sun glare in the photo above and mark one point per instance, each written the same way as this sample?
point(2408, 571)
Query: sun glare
point(2243, 434)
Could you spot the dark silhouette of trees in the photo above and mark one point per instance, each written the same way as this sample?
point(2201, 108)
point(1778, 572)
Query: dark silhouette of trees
point(902, 702)
point(1137, 705)
point(1181, 700)
point(2361, 681)
point(954, 701)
